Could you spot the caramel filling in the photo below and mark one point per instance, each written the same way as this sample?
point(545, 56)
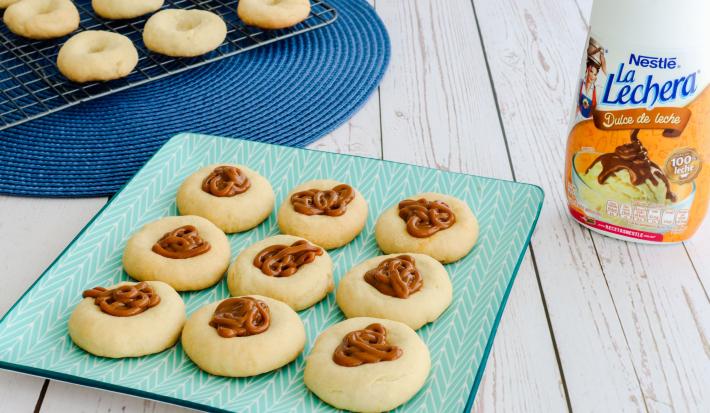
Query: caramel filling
point(632, 157)
point(426, 218)
point(124, 301)
point(181, 243)
point(331, 202)
point(226, 181)
point(284, 261)
point(241, 317)
point(365, 346)
point(397, 277)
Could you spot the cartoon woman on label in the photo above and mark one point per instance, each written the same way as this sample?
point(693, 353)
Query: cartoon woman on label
point(588, 85)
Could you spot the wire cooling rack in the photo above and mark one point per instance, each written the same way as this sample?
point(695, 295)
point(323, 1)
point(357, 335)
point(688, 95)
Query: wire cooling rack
point(31, 85)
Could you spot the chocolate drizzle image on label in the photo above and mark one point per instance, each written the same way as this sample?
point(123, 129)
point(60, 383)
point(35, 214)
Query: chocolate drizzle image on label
point(241, 317)
point(284, 261)
point(426, 218)
point(331, 202)
point(632, 157)
point(180, 243)
point(226, 181)
point(124, 301)
point(397, 277)
point(366, 346)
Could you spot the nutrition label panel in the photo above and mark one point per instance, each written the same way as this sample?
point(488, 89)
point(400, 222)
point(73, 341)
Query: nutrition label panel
point(639, 214)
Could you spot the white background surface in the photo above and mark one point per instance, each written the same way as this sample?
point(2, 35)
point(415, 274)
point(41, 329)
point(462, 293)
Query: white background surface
point(484, 87)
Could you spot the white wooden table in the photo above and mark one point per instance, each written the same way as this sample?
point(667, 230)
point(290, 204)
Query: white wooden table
point(483, 87)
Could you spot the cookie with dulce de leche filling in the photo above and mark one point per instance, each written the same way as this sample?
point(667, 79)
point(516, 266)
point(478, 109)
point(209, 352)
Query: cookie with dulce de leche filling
point(411, 288)
point(287, 268)
point(438, 225)
point(326, 212)
point(188, 252)
point(233, 197)
point(128, 319)
point(243, 336)
point(366, 364)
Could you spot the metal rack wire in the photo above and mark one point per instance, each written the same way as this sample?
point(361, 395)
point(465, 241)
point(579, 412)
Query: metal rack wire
point(31, 85)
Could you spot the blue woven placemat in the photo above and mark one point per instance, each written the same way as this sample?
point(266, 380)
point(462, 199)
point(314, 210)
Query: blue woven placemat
point(292, 92)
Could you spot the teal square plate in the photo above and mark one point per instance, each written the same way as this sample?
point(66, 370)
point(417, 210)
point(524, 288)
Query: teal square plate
point(33, 334)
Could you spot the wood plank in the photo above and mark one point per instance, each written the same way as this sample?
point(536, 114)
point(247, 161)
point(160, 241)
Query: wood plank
point(18, 392)
point(697, 249)
point(65, 397)
point(585, 9)
point(665, 315)
point(533, 49)
point(34, 231)
point(360, 136)
point(647, 323)
point(522, 373)
point(437, 105)
point(438, 110)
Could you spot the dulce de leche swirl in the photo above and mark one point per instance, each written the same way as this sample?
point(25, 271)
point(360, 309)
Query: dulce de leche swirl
point(283, 260)
point(331, 202)
point(241, 317)
point(365, 346)
point(124, 301)
point(181, 243)
point(397, 277)
point(226, 181)
point(426, 218)
point(632, 157)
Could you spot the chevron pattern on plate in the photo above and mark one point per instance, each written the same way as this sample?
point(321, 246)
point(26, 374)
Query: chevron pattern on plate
point(33, 334)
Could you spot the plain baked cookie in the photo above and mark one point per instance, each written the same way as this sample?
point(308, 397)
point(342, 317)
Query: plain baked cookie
point(326, 212)
point(424, 223)
point(233, 197)
point(273, 14)
point(41, 19)
point(95, 55)
point(411, 288)
point(343, 374)
point(243, 336)
point(124, 9)
point(291, 270)
point(187, 252)
point(128, 320)
point(184, 33)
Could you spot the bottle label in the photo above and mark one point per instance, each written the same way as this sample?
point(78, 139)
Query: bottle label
point(639, 140)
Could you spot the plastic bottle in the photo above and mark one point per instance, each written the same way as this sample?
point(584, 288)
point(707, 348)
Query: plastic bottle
point(639, 142)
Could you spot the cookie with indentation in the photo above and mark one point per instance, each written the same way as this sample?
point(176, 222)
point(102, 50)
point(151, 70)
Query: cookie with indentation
point(327, 212)
point(41, 19)
point(184, 33)
point(95, 55)
point(438, 225)
point(287, 268)
point(188, 252)
point(243, 336)
point(366, 364)
point(124, 9)
point(128, 319)
point(273, 14)
point(412, 288)
point(234, 197)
